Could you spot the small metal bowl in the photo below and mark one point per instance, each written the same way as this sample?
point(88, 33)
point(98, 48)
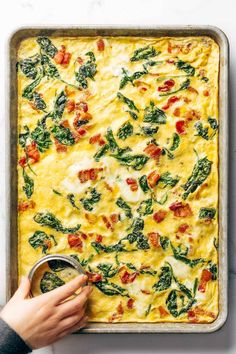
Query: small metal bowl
point(58, 257)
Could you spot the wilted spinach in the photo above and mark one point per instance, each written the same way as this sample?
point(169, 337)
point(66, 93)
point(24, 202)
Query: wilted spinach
point(49, 69)
point(41, 136)
point(174, 306)
point(123, 205)
point(63, 135)
point(50, 281)
point(87, 71)
point(149, 131)
point(29, 185)
point(144, 184)
point(201, 171)
point(28, 66)
point(127, 101)
point(207, 213)
point(101, 152)
point(57, 265)
point(165, 279)
point(50, 220)
point(167, 180)
point(182, 87)
point(59, 106)
point(107, 270)
point(47, 46)
point(41, 240)
point(176, 142)
point(145, 207)
point(99, 247)
point(180, 255)
point(152, 114)
point(111, 289)
point(144, 53)
point(125, 131)
point(71, 198)
point(189, 69)
point(131, 78)
point(93, 198)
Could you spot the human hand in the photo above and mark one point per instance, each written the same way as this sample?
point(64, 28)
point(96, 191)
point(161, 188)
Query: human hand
point(44, 319)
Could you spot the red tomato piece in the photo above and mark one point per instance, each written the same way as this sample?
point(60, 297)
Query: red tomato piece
point(162, 311)
point(94, 277)
point(159, 216)
point(75, 241)
point(153, 151)
point(22, 162)
point(70, 106)
point(115, 218)
point(130, 304)
point(107, 222)
point(32, 152)
point(153, 178)
point(127, 277)
point(183, 227)
point(180, 127)
point(59, 146)
point(154, 238)
point(23, 206)
point(98, 238)
point(100, 45)
point(181, 210)
point(120, 309)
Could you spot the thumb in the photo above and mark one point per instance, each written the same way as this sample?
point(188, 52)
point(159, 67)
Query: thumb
point(24, 288)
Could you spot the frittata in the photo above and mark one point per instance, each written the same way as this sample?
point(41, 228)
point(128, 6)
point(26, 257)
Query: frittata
point(118, 167)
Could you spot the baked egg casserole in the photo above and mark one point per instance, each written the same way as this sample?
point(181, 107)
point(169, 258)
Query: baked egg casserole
point(118, 168)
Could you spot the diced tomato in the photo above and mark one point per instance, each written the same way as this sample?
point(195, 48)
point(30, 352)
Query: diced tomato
point(164, 88)
point(170, 102)
point(70, 106)
point(205, 277)
point(192, 89)
point(127, 277)
point(154, 239)
point(62, 57)
point(32, 152)
point(170, 61)
point(180, 209)
point(23, 206)
point(177, 112)
point(115, 218)
point(83, 235)
point(159, 216)
point(90, 174)
point(23, 161)
point(82, 106)
point(80, 60)
point(130, 304)
point(120, 309)
point(200, 311)
point(153, 178)
point(48, 244)
point(206, 93)
point(180, 127)
point(82, 132)
point(162, 311)
point(170, 83)
point(94, 277)
point(107, 222)
point(183, 227)
point(65, 123)
point(98, 238)
point(97, 139)
point(146, 292)
point(153, 151)
point(142, 89)
point(132, 183)
point(75, 241)
point(59, 146)
point(192, 114)
point(192, 316)
point(100, 45)
point(108, 187)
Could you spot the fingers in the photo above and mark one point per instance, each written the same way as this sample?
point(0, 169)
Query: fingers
point(63, 292)
point(75, 305)
point(76, 327)
point(24, 288)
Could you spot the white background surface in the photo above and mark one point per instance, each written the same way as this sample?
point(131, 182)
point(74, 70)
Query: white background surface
point(14, 14)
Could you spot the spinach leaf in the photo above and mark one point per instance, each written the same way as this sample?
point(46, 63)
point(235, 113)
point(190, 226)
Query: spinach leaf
point(207, 213)
point(173, 306)
point(23, 137)
point(47, 46)
point(182, 87)
point(63, 135)
point(213, 123)
point(213, 269)
point(135, 161)
point(167, 152)
point(87, 71)
point(111, 289)
point(152, 114)
point(125, 131)
point(167, 180)
point(131, 78)
point(123, 205)
point(137, 236)
point(145, 207)
point(39, 102)
point(41, 240)
point(203, 132)
point(59, 106)
point(201, 171)
point(189, 69)
point(181, 256)
point(28, 188)
point(56, 192)
point(144, 184)
point(101, 152)
point(164, 241)
point(176, 142)
point(137, 225)
point(93, 198)
point(148, 310)
point(111, 140)
point(127, 101)
point(28, 66)
point(149, 131)
point(165, 279)
point(49, 69)
point(57, 265)
point(50, 281)
point(41, 137)
point(83, 262)
point(107, 270)
point(144, 53)
point(117, 247)
point(133, 115)
point(28, 90)
point(50, 220)
point(71, 198)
